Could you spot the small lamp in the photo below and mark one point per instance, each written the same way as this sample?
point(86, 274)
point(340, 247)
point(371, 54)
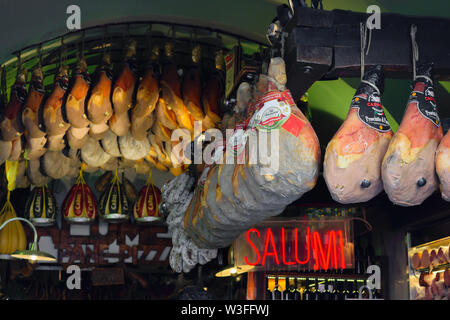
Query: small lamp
point(33, 254)
point(232, 270)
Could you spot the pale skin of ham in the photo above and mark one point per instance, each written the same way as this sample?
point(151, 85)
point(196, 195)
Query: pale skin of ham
point(443, 166)
point(411, 157)
point(77, 137)
point(354, 154)
point(35, 175)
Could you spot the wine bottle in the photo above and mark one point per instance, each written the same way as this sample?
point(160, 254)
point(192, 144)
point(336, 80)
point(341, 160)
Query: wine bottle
point(340, 290)
point(320, 289)
point(277, 294)
point(307, 291)
point(355, 292)
point(268, 290)
point(289, 293)
point(298, 290)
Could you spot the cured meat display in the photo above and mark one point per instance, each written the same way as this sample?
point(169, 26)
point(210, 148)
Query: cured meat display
point(229, 198)
point(352, 165)
point(443, 166)
point(408, 170)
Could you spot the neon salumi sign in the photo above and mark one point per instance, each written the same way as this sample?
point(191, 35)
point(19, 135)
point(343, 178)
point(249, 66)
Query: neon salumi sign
point(297, 245)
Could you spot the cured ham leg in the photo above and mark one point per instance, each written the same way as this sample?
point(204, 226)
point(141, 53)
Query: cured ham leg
point(443, 166)
point(147, 96)
point(11, 125)
point(99, 106)
point(171, 90)
point(408, 169)
point(352, 166)
point(230, 198)
point(192, 87)
point(35, 136)
point(122, 96)
point(74, 107)
point(55, 126)
point(212, 94)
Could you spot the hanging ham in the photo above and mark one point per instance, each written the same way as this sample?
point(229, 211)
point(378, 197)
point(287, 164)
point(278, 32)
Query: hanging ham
point(142, 115)
point(352, 165)
point(443, 166)
point(213, 93)
point(123, 90)
point(99, 107)
point(171, 90)
point(11, 125)
point(192, 86)
point(55, 126)
point(75, 107)
point(34, 134)
point(408, 169)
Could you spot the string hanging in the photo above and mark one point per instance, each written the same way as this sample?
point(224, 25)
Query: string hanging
point(415, 49)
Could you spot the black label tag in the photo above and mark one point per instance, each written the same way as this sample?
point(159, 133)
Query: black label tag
point(108, 72)
point(370, 112)
point(426, 103)
point(63, 82)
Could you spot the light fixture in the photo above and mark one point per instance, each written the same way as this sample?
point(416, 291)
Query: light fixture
point(232, 270)
point(33, 254)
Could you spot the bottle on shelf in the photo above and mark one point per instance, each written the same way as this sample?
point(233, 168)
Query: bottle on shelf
point(289, 293)
point(307, 292)
point(298, 290)
point(320, 289)
point(270, 283)
point(340, 290)
point(277, 293)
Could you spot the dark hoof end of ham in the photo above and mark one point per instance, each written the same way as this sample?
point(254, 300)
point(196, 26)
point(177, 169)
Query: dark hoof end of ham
point(421, 182)
point(365, 183)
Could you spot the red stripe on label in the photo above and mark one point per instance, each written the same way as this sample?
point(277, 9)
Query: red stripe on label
point(293, 125)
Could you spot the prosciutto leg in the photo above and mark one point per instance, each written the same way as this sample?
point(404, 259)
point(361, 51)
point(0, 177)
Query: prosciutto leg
point(443, 166)
point(408, 169)
point(352, 167)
